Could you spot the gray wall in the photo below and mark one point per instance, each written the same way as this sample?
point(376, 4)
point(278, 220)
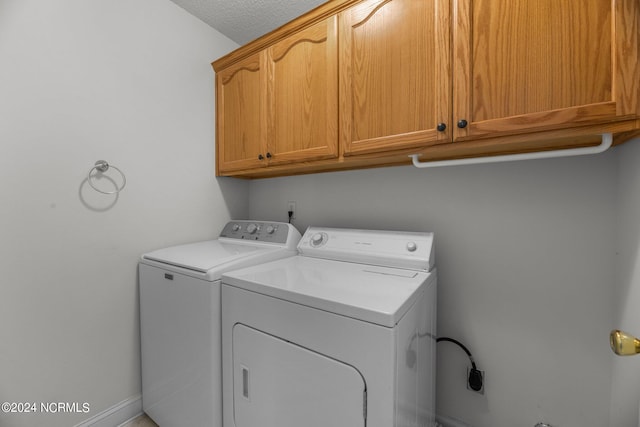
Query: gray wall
point(125, 81)
point(625, 384)
point(537, 260)
point(525, 260)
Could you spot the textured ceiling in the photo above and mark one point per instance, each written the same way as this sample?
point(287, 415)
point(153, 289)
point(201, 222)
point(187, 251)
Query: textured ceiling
point(245, 20)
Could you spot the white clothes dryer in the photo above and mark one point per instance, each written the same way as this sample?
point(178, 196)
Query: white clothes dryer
point(180, 318)
point(341, 335)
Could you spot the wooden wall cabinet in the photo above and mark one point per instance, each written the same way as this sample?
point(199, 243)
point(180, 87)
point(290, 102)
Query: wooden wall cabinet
point(241, 108)
point(361, 83)
point(395, 75)
point(280, 105)
point(529, 66)
point(513, 67)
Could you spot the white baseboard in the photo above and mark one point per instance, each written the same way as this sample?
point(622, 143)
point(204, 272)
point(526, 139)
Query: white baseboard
point(450, 422)
point(115, 415)
point(131, 408)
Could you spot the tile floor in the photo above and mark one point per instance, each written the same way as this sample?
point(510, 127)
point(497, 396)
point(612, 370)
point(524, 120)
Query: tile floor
point(141, 421)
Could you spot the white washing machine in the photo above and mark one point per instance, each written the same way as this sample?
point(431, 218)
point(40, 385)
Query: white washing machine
point(341, 335)
point(180, 318)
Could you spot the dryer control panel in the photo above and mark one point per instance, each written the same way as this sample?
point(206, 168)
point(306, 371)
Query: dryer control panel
point(400, 249)
point(268, 232)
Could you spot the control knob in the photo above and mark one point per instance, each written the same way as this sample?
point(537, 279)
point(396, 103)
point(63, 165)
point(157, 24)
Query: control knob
point(235, 227)
point(252, 228)
point(317, 239)
point(270, 229)
point(411, 246)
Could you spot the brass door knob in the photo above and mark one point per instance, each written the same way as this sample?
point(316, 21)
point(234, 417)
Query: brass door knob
point(624, 344)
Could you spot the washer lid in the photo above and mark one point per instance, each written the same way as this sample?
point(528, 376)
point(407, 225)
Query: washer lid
point(212, 256)
point(380, 295)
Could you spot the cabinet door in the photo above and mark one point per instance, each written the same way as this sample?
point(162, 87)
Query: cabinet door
point(524, 65)
point(395, 77)
point(303, 95)
point(240, 109)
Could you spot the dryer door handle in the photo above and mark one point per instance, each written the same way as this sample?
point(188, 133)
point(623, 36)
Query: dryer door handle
point(245, 382)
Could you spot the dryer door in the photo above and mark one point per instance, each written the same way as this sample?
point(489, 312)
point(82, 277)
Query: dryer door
point(279, 384)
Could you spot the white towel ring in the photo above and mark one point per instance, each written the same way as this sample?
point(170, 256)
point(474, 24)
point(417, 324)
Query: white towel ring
point(101, 166)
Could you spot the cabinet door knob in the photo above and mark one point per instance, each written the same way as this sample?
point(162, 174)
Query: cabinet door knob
point(462, 124)
point(441, 127)
point(260, 157)
point(269, 155)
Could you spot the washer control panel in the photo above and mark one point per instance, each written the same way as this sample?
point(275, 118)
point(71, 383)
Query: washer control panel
point(271, 232)
point(413, 250)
